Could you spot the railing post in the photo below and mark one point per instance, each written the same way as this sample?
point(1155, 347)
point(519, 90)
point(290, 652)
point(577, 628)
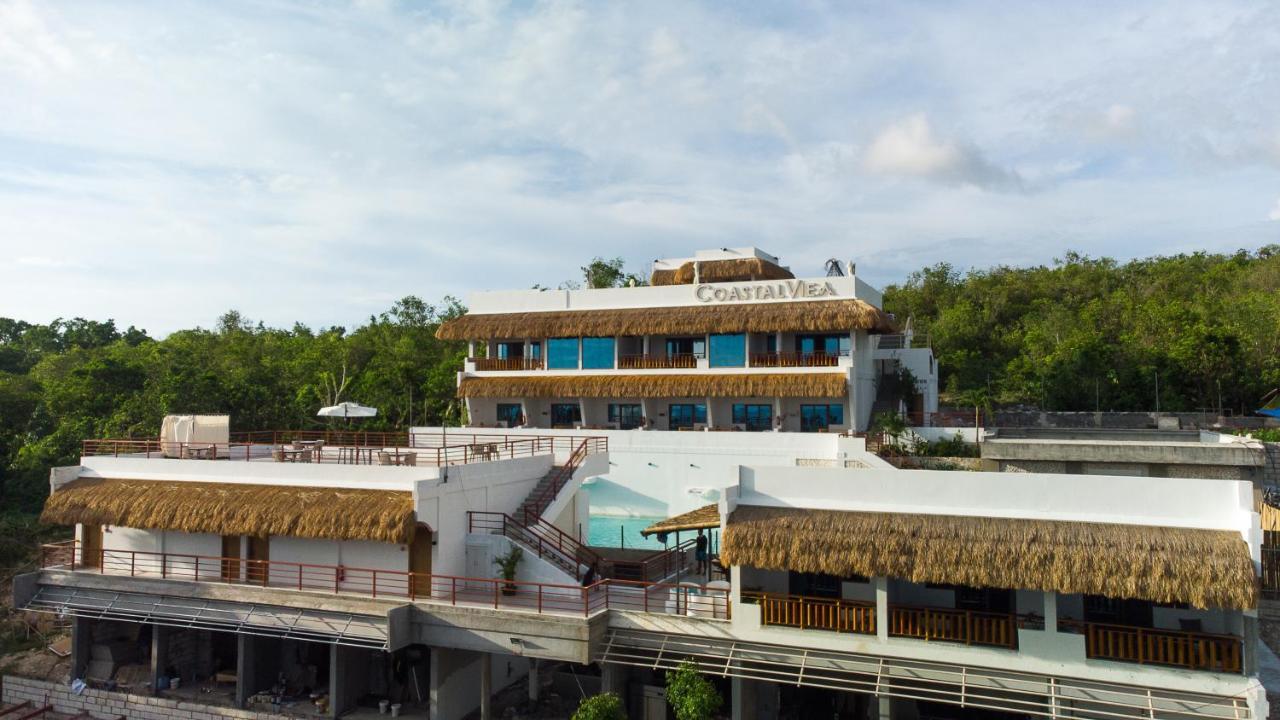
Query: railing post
point(454, 592)
point(375, 583)
point(133, 561)
point(495, 594)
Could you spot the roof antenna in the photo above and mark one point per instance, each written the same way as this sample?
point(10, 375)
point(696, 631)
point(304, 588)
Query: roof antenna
point(834, 268)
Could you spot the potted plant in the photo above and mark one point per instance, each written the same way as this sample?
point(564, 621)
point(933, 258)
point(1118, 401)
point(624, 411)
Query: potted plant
point(507, 568)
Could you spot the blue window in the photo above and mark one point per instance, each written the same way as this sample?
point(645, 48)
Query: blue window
point(565, 415)
point(562, 353)
point(756, 418)
point(535, 350)
point(510, 350)
point(728, 350)
point(696, 347)
point(686, 415)
point(597, 353)
point(817, 418)
point(823, 344)
point(511, 414)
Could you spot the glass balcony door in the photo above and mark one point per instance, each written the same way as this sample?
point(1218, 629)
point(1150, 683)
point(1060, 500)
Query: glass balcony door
point(818, 418)
point(756, 417)
point(686, 415)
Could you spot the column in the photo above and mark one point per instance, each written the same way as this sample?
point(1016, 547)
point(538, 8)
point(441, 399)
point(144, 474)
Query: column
point(1249, 631)
point(780, 421)
point(582, 410)
point(1050, 611)
point(882, 608)
point(471, 348)
point(617, 343)
point(81, 641)
point(883, 708)
point(159, 655)
point(710, 419)
point(337, 685)
point(743, 704)
point(535, 682)
point(613, 679)
point(645, 344)
point(486, 686)
point(644, 408)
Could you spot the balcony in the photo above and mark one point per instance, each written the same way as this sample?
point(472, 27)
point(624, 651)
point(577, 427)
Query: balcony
point(336, 447)
point(680, 361)
point(506, 364)
point(1121, 643)
point(356, 582)
point(795, 359)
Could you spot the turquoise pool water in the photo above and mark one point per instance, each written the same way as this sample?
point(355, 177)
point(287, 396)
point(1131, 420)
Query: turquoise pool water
point(612, 531)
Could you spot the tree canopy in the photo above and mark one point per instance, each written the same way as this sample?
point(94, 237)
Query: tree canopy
point(1091, 333)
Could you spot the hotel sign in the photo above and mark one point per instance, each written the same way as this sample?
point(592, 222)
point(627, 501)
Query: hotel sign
point(780, 290)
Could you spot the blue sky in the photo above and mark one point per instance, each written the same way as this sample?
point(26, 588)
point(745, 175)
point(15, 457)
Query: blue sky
point(163, 162)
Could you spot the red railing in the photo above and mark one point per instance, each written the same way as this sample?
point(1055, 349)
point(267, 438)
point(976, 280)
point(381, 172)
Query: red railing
point(683, 361)
point(798, 611)
point(352, 448)
point(660, 565)
point(533, 508)
point(507, 363)
point(1150, 646)
point(548, 541)
point(378, 583)
point(794, 359)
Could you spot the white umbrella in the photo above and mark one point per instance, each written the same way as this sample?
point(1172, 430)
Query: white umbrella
point(348, 410)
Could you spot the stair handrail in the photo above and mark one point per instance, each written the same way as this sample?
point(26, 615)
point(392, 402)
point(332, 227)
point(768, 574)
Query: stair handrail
point(547, 536)
point(561, 478)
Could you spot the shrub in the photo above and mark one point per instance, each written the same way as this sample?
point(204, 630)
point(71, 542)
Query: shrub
point(606, 706)
point(692, 697)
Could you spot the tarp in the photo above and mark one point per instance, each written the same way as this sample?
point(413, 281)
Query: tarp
point(176, 430)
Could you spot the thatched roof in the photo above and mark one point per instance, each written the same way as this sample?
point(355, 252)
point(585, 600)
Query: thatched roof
point(806, 385)
point(732, 270)
point(704, 518)
point(233, 509)
point(1205, 568)
point(1270, 517)
point(798, 316)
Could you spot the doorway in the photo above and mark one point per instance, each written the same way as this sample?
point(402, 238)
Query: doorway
point(231, 558)
point(259, 568)
point(420, 563)
point(91, 546)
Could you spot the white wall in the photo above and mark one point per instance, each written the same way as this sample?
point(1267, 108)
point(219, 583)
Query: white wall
point(196, 544)
point(377, 477)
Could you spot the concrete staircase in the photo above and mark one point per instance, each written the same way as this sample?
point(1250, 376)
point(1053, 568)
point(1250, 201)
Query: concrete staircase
point(535, 502)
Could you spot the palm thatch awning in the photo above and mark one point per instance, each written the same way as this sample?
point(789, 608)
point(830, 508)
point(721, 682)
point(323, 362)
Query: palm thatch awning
point(798, 316)
point(706, 517)
point(233, 509)
point(731, 270)
point(1204, 568)
point(805, 385)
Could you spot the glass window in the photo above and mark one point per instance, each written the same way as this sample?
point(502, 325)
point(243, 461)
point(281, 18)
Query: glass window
point(816, 418)
point(597, 353)
point(562, 353)
point(628, 416)
point(565, 414)
point(823, 344)
point(728, 350)
point(511, 414)
point(535, 350)
point(756, 418)
point(686, 415)
point(696, 347)
point(510, 350)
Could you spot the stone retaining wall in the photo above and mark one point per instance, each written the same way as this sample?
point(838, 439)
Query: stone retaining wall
point(104, 704)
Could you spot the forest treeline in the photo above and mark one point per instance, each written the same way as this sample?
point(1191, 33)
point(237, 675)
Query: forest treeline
point(1079, 334)
point(1095, 334)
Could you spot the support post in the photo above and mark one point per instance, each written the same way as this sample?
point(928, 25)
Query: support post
point(613, 679)
point(1050, 611)
point(337, 684)
point(743, 700)
point(486, 686)
point(535, 682)
point(81, 641)
point(882, 609)
point(159, 655)
point(246, 669)
point(1249, 630)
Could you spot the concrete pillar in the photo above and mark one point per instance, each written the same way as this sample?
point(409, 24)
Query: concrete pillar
point(471, 348)
point(644, 340)
point(159, 655)
point(337, 686)
point(882, 608)
point(882, 709)
point(535, 682)
point(1249, 630)
point(1050, 611)
point(613, 679)
point(81, 641)
point(743, 702)
point(710, 418)
point(247, 663)
point(486, 686)
point(779, 419)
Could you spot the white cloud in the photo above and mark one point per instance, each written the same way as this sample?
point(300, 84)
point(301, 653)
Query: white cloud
point(1275, 211)
point(909, 147)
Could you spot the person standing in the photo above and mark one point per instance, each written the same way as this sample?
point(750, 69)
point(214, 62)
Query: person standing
point(700, 553)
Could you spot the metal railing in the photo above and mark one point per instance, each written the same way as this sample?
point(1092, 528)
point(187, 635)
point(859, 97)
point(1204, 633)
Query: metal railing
point(546, 540)
point(339, 448)
point(1150, 646)
point(794, 359)
point(798, 611)
point(533, 508)
point(378, 583)
point(683, 361)
point(506, 363)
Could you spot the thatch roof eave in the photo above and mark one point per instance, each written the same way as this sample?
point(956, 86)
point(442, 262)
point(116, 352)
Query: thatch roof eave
point(676, 385)
point(704, 518)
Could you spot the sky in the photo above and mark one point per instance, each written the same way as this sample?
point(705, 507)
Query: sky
point(164, 162)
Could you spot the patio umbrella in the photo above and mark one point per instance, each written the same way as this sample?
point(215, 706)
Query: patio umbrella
point(348, 410)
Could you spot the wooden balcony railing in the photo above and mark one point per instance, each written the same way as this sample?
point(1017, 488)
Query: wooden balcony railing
point(1197, 651)
point(963, 626)
point(797, 611)
point(657, 362)
point(507, 363)
point(794, 359)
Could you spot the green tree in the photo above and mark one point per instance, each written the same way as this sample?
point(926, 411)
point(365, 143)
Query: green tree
point(691, 696)
point(605, 706)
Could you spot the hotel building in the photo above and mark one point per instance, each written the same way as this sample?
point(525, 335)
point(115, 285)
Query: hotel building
point(287, 574)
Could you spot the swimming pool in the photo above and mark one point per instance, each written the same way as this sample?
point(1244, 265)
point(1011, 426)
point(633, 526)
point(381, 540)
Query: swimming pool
point(614, 531)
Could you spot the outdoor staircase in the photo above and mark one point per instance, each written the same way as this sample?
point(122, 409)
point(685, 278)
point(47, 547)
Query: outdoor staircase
point(541, 496)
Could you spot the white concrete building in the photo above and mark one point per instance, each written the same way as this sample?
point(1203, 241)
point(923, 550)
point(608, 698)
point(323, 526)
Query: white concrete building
point(726, 340)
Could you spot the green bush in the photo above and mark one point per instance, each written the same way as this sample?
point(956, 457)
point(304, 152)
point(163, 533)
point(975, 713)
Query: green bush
point(692, 697)
point(606, 706)
point(954, 446)
point(1263, 434)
